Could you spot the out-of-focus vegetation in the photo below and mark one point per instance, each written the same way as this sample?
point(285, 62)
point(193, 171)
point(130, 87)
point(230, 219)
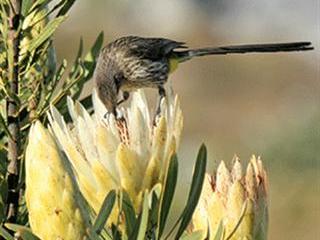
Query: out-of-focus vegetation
point(263, 104)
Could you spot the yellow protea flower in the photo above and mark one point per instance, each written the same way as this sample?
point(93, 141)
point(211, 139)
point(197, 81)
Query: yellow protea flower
point(236, 200)
point(53, 201)
point(130, 154)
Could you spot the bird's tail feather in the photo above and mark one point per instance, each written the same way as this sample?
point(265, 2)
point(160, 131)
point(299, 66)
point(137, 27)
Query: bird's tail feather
point(251, 48)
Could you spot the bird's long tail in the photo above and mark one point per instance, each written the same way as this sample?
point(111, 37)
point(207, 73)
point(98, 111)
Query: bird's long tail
point(251, 48)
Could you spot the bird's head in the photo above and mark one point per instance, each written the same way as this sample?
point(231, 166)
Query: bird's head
point(108, 97)
point(108, 94)
point(106, 80)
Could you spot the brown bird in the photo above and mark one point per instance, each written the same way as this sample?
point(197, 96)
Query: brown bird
point(132, 62)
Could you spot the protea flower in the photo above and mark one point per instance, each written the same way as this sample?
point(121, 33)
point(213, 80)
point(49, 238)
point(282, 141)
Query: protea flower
point(53, 201)
point(130, 154)
point(237, 201)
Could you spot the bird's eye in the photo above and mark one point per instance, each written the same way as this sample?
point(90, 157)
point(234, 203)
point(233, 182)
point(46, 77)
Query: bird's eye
point(118, 78)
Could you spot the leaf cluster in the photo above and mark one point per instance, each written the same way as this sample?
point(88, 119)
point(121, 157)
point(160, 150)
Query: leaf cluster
point(150, 223)
point(41, 80)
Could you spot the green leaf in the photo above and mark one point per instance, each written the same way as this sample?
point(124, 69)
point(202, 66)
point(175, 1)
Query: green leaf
point(48, 90)
point(2, 212)
point(89, 63)
point(76, 68)
point(129, 213)
point(195, 190)
point(104, 212)
point(4, 233)
point(36, 5)
point(80, 50)
point(153, 222)
point(66, 7)
point(197, 235)
point(116, 235)
point(220, 232)
point(25, 7)
point(93, 235)
point(95, 49)
point(4, 126)
point(45, 14)
point(4, 19)
point(46, 33)
point(168, 193)
point(144, 217)
point(86, 102)
point(23, 231)
point(3, 190)
point(157, 190)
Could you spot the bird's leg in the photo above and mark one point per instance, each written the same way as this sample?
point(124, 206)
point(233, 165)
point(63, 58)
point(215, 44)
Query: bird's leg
point(125, 96)
point(162, 94)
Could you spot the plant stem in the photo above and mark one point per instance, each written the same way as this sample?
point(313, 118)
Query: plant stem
point(12, 112)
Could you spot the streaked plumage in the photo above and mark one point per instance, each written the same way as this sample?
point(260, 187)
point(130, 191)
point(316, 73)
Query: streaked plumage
point(134, 62)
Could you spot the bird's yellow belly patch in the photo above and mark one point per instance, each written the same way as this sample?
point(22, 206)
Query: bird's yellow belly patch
point(173, 64)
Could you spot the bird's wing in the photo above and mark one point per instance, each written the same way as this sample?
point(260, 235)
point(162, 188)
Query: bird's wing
point(153, 48)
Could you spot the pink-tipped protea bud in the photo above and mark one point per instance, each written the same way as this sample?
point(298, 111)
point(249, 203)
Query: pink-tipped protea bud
point(237, 199)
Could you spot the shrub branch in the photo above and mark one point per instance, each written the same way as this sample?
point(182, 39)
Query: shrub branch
point(12, 112)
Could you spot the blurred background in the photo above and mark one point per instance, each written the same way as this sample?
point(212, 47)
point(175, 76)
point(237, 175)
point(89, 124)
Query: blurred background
point(263, 104)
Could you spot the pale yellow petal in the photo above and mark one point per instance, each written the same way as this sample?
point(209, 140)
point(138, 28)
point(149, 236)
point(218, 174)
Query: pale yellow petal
point(139, 133)
point(200, 217)
point(50, 191)
point(152, 173)
point(107, 145)
point(235, 206)
point(236, 172)
point(216, 212)
point(131, 174)
point(159, 139)
point(250, 180)
point(223, 181)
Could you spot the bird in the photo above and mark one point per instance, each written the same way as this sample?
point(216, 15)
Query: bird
point(132, 62)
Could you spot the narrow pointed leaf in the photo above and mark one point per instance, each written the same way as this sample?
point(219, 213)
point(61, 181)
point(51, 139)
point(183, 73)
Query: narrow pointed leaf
point(144, 218)
point(88, 66)
point(93, 236)
point(130, 216)
point(25, 7)
point(46, 33)
point(220, 232)
point(49, 90)
point(170, 186)
point(37, 3)
point(23, 231)
point(115, 233)
point(195, 190)
point(86, 102)
point(3, 191)
point(58, 75)
point(153, 222)
point(3, 125)
point(95, 49)
point(80, 50)
point(104, 212)
point(66, 7)
point(5, 234)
